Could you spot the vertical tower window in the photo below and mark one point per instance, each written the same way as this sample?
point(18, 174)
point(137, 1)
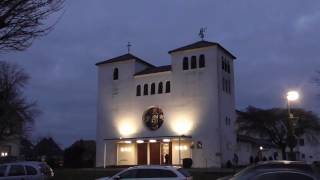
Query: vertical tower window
point(160, 88)
point(228, 69)
point(168, 88)
point(185, 63)
point(202, 62)
point(145, 89)
point(138, 93)
point(153, 88)
point(223, 84)
point(223, 64)
point(115, 74)
point(193, 62)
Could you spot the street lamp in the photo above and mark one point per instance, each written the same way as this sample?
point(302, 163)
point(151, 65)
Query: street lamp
point(291, 139)
point(291, 96)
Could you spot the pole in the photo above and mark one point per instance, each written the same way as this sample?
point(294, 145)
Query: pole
point(104, 155)
point(179, 150)
point(290, 135)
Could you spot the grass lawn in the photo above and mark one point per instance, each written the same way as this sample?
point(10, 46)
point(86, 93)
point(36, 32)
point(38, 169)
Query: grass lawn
point(90, 174)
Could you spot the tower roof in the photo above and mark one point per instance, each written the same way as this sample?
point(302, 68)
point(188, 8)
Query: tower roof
point(201, 44)
point(124, 57)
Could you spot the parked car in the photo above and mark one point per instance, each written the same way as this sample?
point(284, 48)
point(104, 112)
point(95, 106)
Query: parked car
point(276, 170)
point(28, 170)
point(152, 172)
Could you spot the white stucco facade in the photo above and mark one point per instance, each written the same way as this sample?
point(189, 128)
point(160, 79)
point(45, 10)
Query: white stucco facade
point(199, 112)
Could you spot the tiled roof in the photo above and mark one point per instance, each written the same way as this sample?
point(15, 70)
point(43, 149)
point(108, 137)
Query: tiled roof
point(200, 44)
point(124, 57)
point(154, 70)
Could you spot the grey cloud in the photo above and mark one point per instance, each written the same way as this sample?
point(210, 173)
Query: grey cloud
point(275, 42)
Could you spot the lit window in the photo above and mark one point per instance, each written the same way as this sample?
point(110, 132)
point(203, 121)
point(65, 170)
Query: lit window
point(138, 90)
point(168, 87)
point(115, 74)
point(160, 88)
point(193, 62)
point(202, 62)
point(153, 88)
point(185, 63)
point(145, 89)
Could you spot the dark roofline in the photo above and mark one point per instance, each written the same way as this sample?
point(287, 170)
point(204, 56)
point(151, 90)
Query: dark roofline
point(257, 142)
point(124, 57)
point(153, 70)
point(201, 44)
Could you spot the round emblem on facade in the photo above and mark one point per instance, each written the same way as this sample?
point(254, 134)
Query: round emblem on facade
point(153, 118)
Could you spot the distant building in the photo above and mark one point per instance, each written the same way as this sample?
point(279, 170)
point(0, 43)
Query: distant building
point(307, 150)
point(250, 149)
point(157, 115)
point(9, 148)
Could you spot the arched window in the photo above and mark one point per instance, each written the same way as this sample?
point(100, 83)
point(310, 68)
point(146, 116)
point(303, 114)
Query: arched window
point(153, 88)
point(145, 89)
point(193, 62)
point(168, 88)
point(185, 63)
point(115, 74)
point(202, 62)
point(160, 88)
point(138, 93)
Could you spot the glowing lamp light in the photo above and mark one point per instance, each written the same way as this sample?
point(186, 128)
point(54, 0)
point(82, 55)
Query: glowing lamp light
point(261, 148)
point(125, 149)
point(182, 127)
point(181, 148)
point(292, 96)
point(126, 128)
point(140, 141)
point(166, 140)
point(182, 123)
point(152, 140)
point(127, 142)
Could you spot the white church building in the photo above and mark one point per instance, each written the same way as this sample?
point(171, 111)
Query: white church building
point(162, 114)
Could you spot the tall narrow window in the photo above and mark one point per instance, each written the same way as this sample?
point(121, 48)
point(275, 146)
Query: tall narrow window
point(115, 74)
point(223, 64)
point(168, 88)
point(228, 69)
point(138, 93)
point(202, 61)
point(185, 63)
point(223, 84)
point(145, 89)
point(229, 86)
point(193, 62)
point(153, 88)
point(160, 88)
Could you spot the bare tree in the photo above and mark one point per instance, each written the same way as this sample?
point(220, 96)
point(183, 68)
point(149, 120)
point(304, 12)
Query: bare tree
point(21, 21)
point(272, 124)
point(16, 113)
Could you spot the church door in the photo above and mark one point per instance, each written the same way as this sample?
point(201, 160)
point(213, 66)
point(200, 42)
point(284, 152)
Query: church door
point(155, 153)
point(142, 154)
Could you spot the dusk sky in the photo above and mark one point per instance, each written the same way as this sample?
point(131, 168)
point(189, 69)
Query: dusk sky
point(276, 44)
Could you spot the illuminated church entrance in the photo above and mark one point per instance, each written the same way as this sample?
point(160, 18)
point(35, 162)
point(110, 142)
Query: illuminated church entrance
point(159, 153)
point(153, 151)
